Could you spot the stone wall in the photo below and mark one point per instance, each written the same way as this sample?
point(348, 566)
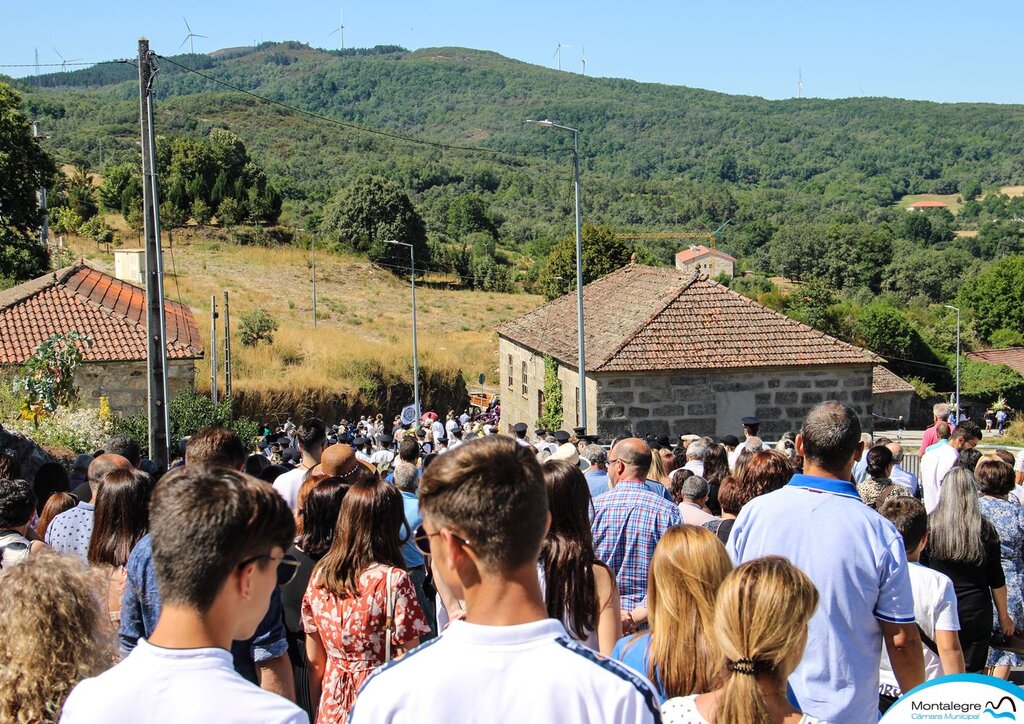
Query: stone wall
point(712, 403)
point(892, 404)
point(124, 384)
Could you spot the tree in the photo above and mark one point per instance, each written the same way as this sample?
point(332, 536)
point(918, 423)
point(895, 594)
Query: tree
point(24, 168)
point(97, 230)
point(372, 211)
point(115, 181)
point(468, 214)
point(995, 297)
point(47, 378)
point(255, 327)
point(229, 212)
point(201, 212)
point(603, 253)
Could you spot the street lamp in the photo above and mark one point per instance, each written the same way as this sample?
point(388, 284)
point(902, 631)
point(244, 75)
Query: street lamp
point(957, 310)
point(415, 358)
point(579, 265)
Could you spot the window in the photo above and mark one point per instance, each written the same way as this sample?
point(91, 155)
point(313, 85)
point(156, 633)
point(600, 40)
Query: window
point(510, 368)
point(526, 379)
point(540, 404)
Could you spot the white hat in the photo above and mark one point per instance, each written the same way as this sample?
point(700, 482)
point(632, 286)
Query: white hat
point(570, 454)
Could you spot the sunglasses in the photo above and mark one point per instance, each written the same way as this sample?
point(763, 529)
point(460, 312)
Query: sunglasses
point(421, 540)
point(287, 567)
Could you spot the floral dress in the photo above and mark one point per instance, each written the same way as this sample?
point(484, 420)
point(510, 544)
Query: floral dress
point(352, 631)
point(1008, 518)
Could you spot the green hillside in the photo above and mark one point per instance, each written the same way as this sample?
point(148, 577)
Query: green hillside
point(790, 174)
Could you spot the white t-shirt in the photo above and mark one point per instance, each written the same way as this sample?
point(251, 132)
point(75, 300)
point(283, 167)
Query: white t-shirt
point(683, 710)
point(153, 685)
point(437, 430)
point(934, 466)
point(382, 458)
point(288, 484)
point(935, 610)
point(531, 672)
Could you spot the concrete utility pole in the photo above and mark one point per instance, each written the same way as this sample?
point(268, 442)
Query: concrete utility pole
point(44, 226)
point(213, 348)
point(227, 348)
point(156, 330)
point(415, 350)
point(312, 254)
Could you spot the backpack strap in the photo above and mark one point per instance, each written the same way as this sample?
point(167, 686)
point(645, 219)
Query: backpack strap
point(926, 640)
point(389, 616)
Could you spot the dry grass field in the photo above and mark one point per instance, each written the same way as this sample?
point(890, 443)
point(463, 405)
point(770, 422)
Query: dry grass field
point(363, 314)
point(950, 200)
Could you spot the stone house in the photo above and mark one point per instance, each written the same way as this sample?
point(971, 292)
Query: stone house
point(710, 262)
point(892, 395)
point(113, 313)
point(671, 352)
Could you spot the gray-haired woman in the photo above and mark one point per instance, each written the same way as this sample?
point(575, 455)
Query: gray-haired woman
point(965, 546)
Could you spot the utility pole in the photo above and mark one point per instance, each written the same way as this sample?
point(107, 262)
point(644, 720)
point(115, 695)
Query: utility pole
point(227, 348)
point(156, 353)
point(415, 349)
point(44, 226)
point(213, 348)
point(312, 253)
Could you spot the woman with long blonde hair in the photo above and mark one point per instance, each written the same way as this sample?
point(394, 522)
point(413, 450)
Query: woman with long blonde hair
point(678, 654)
point(760, 628)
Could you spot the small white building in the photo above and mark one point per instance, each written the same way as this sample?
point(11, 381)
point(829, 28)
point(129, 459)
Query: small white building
point(703, 260)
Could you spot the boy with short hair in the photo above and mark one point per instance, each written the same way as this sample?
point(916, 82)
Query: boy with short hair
point(485, 516)
point(935, 606)
point(218, 539)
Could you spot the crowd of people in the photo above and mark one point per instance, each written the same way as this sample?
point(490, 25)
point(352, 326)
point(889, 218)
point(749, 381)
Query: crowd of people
point(442, 571)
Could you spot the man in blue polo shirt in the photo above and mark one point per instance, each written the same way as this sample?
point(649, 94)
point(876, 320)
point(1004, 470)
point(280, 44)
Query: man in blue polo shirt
point(855, 558)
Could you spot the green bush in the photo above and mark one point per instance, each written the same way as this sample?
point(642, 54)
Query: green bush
point(1004, 337)
point(257, 326)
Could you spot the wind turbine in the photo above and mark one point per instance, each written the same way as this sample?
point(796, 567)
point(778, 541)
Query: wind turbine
point(340, 29)
point(190, 38)
point(64, 62)
point(800, 84)
point(583, 58)
point(558, 53)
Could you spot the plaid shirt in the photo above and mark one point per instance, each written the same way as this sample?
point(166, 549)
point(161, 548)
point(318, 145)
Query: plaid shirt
point(629, 520)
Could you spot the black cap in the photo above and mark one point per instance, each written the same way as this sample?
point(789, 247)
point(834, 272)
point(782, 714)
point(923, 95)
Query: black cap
point(592, 439)
point(262, 445)
point(291, 456)
point(345, 438)
point(751, 421)
point(284, 440)
point(541, 432)
point(386, 440)
point(519, 428)
point(580, 432)
point(562, 437)
point(663, 441)
point(730, 440)
point(359, 441)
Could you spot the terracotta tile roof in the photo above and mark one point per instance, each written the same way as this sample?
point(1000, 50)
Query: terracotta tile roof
point(698, 251)
point(883, 381)
point(88, 301)
point(649, 318)
point(1012, 357)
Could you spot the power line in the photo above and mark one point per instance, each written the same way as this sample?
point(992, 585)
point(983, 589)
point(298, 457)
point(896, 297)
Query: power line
point(344, 124)
point(62, 65)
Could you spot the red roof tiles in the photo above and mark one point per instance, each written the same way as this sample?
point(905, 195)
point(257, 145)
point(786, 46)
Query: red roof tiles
point(643, 318)
point(884, 380)
point(112, 312)
point(695, 252)
point(1013, 357)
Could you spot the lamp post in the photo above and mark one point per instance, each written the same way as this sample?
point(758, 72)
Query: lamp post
point(415, 357)
point(957, 310)
point(579, 265)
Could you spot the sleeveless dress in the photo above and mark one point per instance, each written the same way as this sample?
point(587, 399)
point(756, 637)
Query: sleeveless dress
point(1008, 519)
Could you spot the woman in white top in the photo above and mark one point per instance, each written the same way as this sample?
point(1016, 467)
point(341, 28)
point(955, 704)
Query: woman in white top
point(761, 620)
point(579, 590)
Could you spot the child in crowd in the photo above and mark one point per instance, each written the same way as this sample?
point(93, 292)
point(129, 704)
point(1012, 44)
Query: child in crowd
point(935, 607)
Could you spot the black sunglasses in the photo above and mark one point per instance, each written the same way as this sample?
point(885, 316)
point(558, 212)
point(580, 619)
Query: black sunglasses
point(422, 540)
point(287, 567)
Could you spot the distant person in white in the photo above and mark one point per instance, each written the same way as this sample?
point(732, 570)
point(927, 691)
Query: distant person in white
point(312, 435)
point(219, 538)
point(939, 460)
point(485, 515)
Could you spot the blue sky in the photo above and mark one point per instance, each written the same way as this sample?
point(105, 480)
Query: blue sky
point(941, 51)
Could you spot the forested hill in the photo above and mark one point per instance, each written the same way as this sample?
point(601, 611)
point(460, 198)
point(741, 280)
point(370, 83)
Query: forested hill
point(654, 157)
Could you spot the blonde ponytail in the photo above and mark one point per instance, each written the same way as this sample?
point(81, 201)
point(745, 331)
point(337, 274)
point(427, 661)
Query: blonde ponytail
point(760, 620)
